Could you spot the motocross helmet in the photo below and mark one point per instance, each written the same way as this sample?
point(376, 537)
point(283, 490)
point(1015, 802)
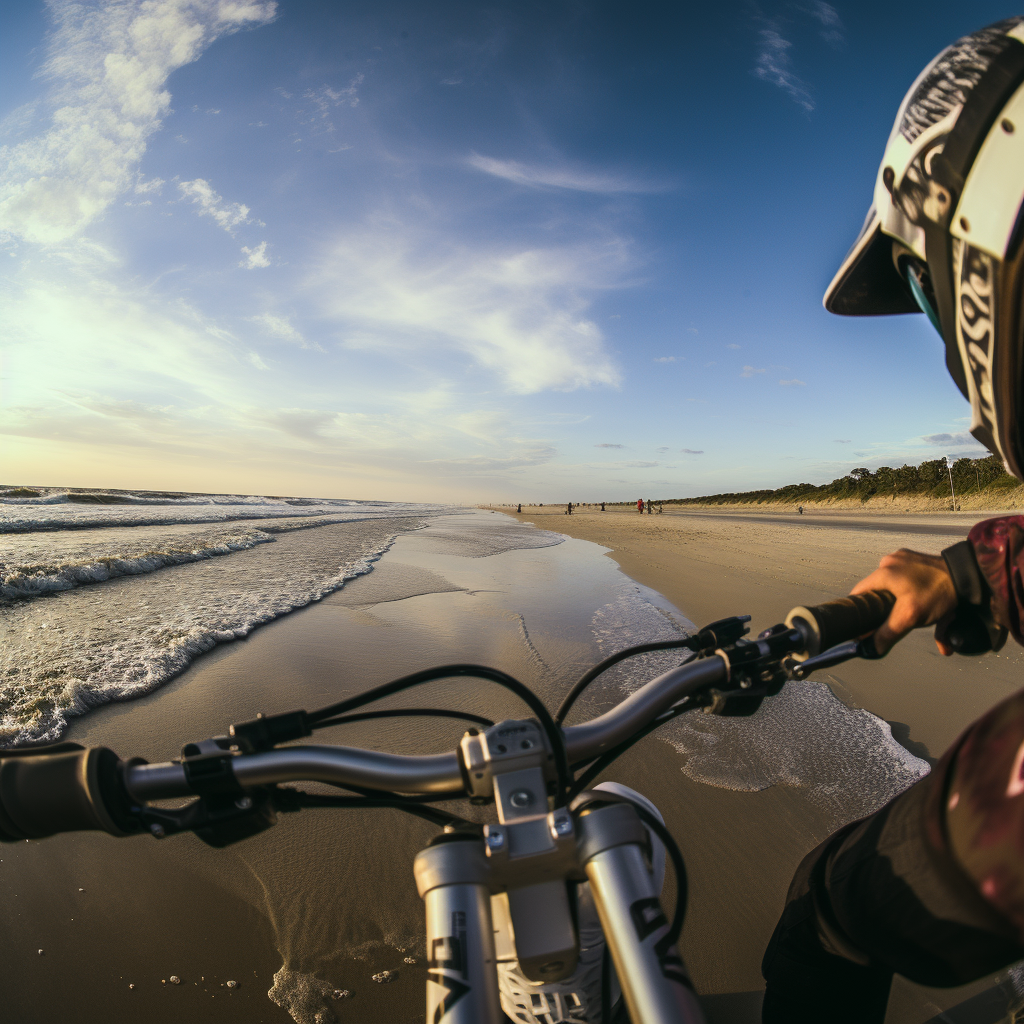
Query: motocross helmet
point(944, 234)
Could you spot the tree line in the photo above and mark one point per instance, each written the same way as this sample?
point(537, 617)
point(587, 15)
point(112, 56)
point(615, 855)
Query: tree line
point(930, 479)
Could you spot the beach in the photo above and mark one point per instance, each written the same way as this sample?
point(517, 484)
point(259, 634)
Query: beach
point(324, 901)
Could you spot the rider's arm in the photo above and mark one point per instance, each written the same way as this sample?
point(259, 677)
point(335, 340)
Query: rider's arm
point(983, 572)
point(998, 548)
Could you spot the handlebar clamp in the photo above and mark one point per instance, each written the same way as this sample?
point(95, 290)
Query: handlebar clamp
point(509, 746)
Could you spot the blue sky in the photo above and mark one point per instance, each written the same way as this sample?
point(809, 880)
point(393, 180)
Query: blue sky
point(456, 250)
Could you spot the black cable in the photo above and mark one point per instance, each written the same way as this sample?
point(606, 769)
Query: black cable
point(675, 929)
point(606, 985)
point(431, 814)
point(406, 713)
point(556, 740)
point(599, 764)
point(603, 666)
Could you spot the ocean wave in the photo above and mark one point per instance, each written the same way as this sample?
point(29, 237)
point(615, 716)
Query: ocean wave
point(63, 509)
point(21, 582)
point(85, 648)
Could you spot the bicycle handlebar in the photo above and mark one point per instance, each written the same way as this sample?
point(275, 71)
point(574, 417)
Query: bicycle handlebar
point(65, 788)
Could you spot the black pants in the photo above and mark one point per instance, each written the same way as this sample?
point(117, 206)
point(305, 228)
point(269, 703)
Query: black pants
point(875, 899)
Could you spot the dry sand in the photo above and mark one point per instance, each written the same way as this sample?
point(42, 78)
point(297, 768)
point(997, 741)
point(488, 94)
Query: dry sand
point(309, 890)
point(714, 563)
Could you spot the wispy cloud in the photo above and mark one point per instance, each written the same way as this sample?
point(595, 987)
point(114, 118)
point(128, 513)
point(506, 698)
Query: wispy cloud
point(749, 371)
point(520, 313)
point(827, 16)
point(227, 215)
point(843, 440)
point(279, 327)
point(732, 346)
point(665, 359)
point(793, 383)
point(691, 451)
point(609, 446)
point(958, 440)
point(557, 177)
point(256, 257)
point(109, 65)
point(323, 101)
point(774, 65)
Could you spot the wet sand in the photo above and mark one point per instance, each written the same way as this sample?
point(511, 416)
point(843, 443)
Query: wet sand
point(326, 899)
point(711, 565)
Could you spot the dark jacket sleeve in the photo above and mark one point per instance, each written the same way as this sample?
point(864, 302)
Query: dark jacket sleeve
point(998, 547)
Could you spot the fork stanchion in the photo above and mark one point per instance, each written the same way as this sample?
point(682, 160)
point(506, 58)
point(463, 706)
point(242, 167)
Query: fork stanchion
point(653, 977)
point(462, 980)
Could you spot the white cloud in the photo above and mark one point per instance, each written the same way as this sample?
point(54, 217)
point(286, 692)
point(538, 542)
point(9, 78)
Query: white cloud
point(556, 177)
point(254, 358)
point(732, 346)
point(324, 100)
point(959, 440)
point(153, 186)
point(279, 327)
point(665, 359)
point(749, 371)
point(255, 257)
point(520, 314)
point(109, 65)
point(774, 65)
point(691, 451)
point(609, 446)
point(793, 383)
point(227, 216)
point(828, 17)
point(843, 440)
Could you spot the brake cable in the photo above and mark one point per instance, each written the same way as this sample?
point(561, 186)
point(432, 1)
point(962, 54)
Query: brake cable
point(603, 666)
point(408, 713)
point(556, 741)
point(721, 633)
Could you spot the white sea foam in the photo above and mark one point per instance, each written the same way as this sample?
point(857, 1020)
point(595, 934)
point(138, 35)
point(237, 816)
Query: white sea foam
point(108, 557)
point(78, 648)
point(845, 760)
point(64, 509)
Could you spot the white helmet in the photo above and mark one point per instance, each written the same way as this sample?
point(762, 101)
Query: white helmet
point(944, 234)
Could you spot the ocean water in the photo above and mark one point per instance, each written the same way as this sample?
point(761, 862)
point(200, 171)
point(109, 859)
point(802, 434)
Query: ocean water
point(403, 587)
point(67, 645)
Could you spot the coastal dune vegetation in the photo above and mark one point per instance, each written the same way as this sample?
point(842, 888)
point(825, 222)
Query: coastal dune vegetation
point(977, 484)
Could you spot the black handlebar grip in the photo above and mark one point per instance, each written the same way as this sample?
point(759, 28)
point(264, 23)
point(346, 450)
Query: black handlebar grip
point(61, 788)
point(834, 622)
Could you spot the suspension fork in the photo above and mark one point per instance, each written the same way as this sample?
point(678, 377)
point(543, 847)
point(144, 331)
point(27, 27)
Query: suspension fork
point(654, 981)
point(462, 979)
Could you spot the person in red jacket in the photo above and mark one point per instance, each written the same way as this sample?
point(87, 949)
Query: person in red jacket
point(932, 885)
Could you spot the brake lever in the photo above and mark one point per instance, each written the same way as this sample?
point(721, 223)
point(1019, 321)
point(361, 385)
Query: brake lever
point(833, 656)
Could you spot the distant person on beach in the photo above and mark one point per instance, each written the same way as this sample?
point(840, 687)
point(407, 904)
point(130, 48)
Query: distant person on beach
point(602, 506)
point(800, 509)
point(650, 507)
point(640, 505)
point(568, 509)
point(519, 508)
point(931, 886)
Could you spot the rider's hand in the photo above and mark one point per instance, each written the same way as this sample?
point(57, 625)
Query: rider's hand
point(924, 594)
